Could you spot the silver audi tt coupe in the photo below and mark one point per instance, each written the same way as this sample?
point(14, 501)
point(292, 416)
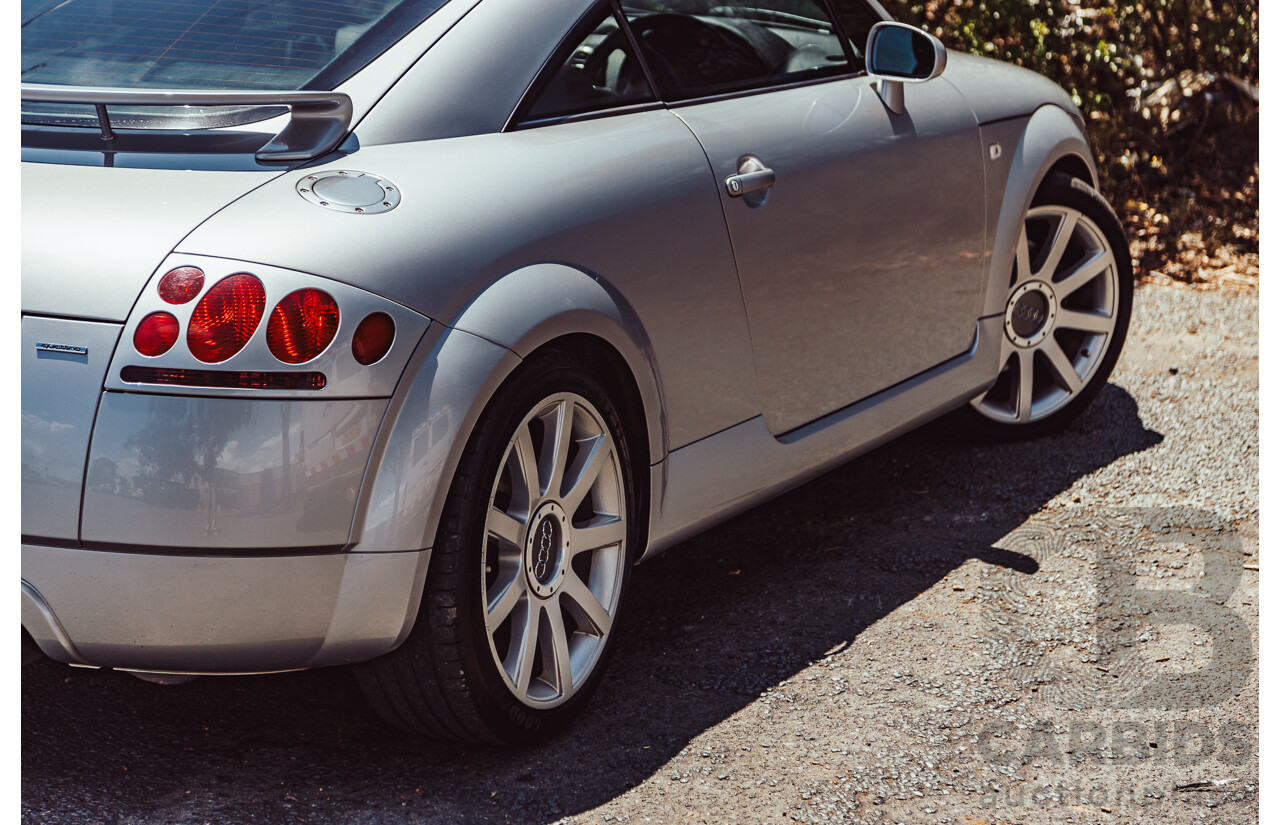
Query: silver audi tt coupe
point(394, 332)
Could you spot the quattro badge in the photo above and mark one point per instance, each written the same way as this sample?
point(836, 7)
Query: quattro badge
point(65, 349)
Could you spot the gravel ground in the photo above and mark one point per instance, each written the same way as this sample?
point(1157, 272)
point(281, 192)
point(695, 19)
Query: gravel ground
point(1058, 631)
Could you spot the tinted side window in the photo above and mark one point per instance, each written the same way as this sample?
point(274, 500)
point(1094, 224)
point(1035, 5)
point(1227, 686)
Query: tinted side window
point(856, 19)
point(598, 72)
point(696, 48)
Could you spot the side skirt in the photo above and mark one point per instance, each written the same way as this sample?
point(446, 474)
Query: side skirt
point(712, 480)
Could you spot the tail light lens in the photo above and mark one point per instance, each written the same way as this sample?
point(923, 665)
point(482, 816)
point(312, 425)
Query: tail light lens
point(302, 326)
point(373, 338)
point(156, 334)
point(181, 285)
point(226, 318)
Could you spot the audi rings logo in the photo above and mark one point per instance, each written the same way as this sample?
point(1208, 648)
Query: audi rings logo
point(545, 535)
point(1027, 313)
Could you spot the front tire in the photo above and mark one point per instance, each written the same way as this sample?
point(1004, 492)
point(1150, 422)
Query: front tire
point(1066, 315)
point(529, 570)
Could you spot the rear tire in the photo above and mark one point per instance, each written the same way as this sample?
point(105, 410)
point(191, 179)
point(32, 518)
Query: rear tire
point(529, 569)
point(1066, 315)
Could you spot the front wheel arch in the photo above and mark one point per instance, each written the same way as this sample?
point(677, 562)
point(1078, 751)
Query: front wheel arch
point(1070, 165)
point(1068, 306)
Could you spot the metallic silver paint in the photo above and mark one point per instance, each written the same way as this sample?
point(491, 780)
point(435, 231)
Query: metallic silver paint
point(438, 255)
point(228, 474)
point(470, 82)
point(998, 90)
point(217, 614)
point(367, 87)
point(92, 236)
point(59, 399)
point(718, 477)
point(537, 304)
point(1049, 135)
point(447, 384)
point(346, 377)
point(832, 267)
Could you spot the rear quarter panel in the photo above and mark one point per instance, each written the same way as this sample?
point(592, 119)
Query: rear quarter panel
point(628, 200)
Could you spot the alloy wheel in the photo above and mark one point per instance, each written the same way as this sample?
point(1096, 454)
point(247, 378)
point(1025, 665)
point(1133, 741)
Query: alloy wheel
point(1060, 316)
point(555, 550)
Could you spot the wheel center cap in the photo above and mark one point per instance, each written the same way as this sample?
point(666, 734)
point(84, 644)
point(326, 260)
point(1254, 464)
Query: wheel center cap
point(1029, 316)
point(546, 549)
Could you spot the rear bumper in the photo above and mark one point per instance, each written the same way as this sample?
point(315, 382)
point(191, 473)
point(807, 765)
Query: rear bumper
point(207, 614)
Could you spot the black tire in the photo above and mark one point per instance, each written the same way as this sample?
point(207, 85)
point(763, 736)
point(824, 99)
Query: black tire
point(987, 416)
point(445, 682)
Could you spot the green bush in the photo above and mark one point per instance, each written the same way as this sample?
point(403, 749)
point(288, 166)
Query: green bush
point(1168, 87)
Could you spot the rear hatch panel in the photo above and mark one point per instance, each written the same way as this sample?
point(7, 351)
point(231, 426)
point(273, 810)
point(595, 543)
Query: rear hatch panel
point(63, 365)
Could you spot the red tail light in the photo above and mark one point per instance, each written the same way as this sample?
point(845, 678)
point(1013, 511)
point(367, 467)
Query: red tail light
point(181, 285)
point(373, 338)
point(226, 317)
point(302, 326)
point(156, 334)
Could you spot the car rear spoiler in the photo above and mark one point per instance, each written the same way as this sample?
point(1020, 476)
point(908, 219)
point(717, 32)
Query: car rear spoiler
point(317, 124)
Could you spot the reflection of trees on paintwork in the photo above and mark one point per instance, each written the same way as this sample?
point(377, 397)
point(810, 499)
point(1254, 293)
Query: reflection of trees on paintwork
point(178, 455)
point(103, 474)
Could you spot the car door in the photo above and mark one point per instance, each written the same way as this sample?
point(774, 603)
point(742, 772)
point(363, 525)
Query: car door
point(860, 257)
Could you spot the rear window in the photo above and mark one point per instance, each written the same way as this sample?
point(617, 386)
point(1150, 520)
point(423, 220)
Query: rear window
point(278, 45)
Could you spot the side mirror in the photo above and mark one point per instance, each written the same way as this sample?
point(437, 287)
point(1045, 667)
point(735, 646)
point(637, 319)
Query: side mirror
point(897, 54)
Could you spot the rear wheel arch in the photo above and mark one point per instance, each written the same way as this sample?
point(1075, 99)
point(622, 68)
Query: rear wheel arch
point(462, 366)
point(540, 305)
point(608, 366)
point(442, 681)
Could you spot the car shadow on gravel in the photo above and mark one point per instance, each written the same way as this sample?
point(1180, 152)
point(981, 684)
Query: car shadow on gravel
point(712, 624)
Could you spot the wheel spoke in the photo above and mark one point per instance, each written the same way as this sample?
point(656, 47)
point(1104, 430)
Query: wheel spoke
point(1062, 366)
point(1092, 267)
point(504, 526)
point(560, 664)
point(524, 645)
point(502, 603)
point(526, 465)
point(1022, 260)
point(555, 447)
point(585, 605)
point(1059, 248)
point(1026, 384)
point(586, 469)
point(602, 532)
point(1085, 321)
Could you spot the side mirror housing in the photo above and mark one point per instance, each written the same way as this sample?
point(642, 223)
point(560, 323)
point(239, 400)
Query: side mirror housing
point(897, 54)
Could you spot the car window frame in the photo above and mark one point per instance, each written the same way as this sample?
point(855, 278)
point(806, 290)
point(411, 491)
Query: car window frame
point(519, 121)
point(519, 118)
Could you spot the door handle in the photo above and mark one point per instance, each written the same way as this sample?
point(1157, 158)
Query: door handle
point(752, 181)
point(739, 185)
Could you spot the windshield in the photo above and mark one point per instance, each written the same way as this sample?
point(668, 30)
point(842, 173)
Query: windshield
point(280, 45)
